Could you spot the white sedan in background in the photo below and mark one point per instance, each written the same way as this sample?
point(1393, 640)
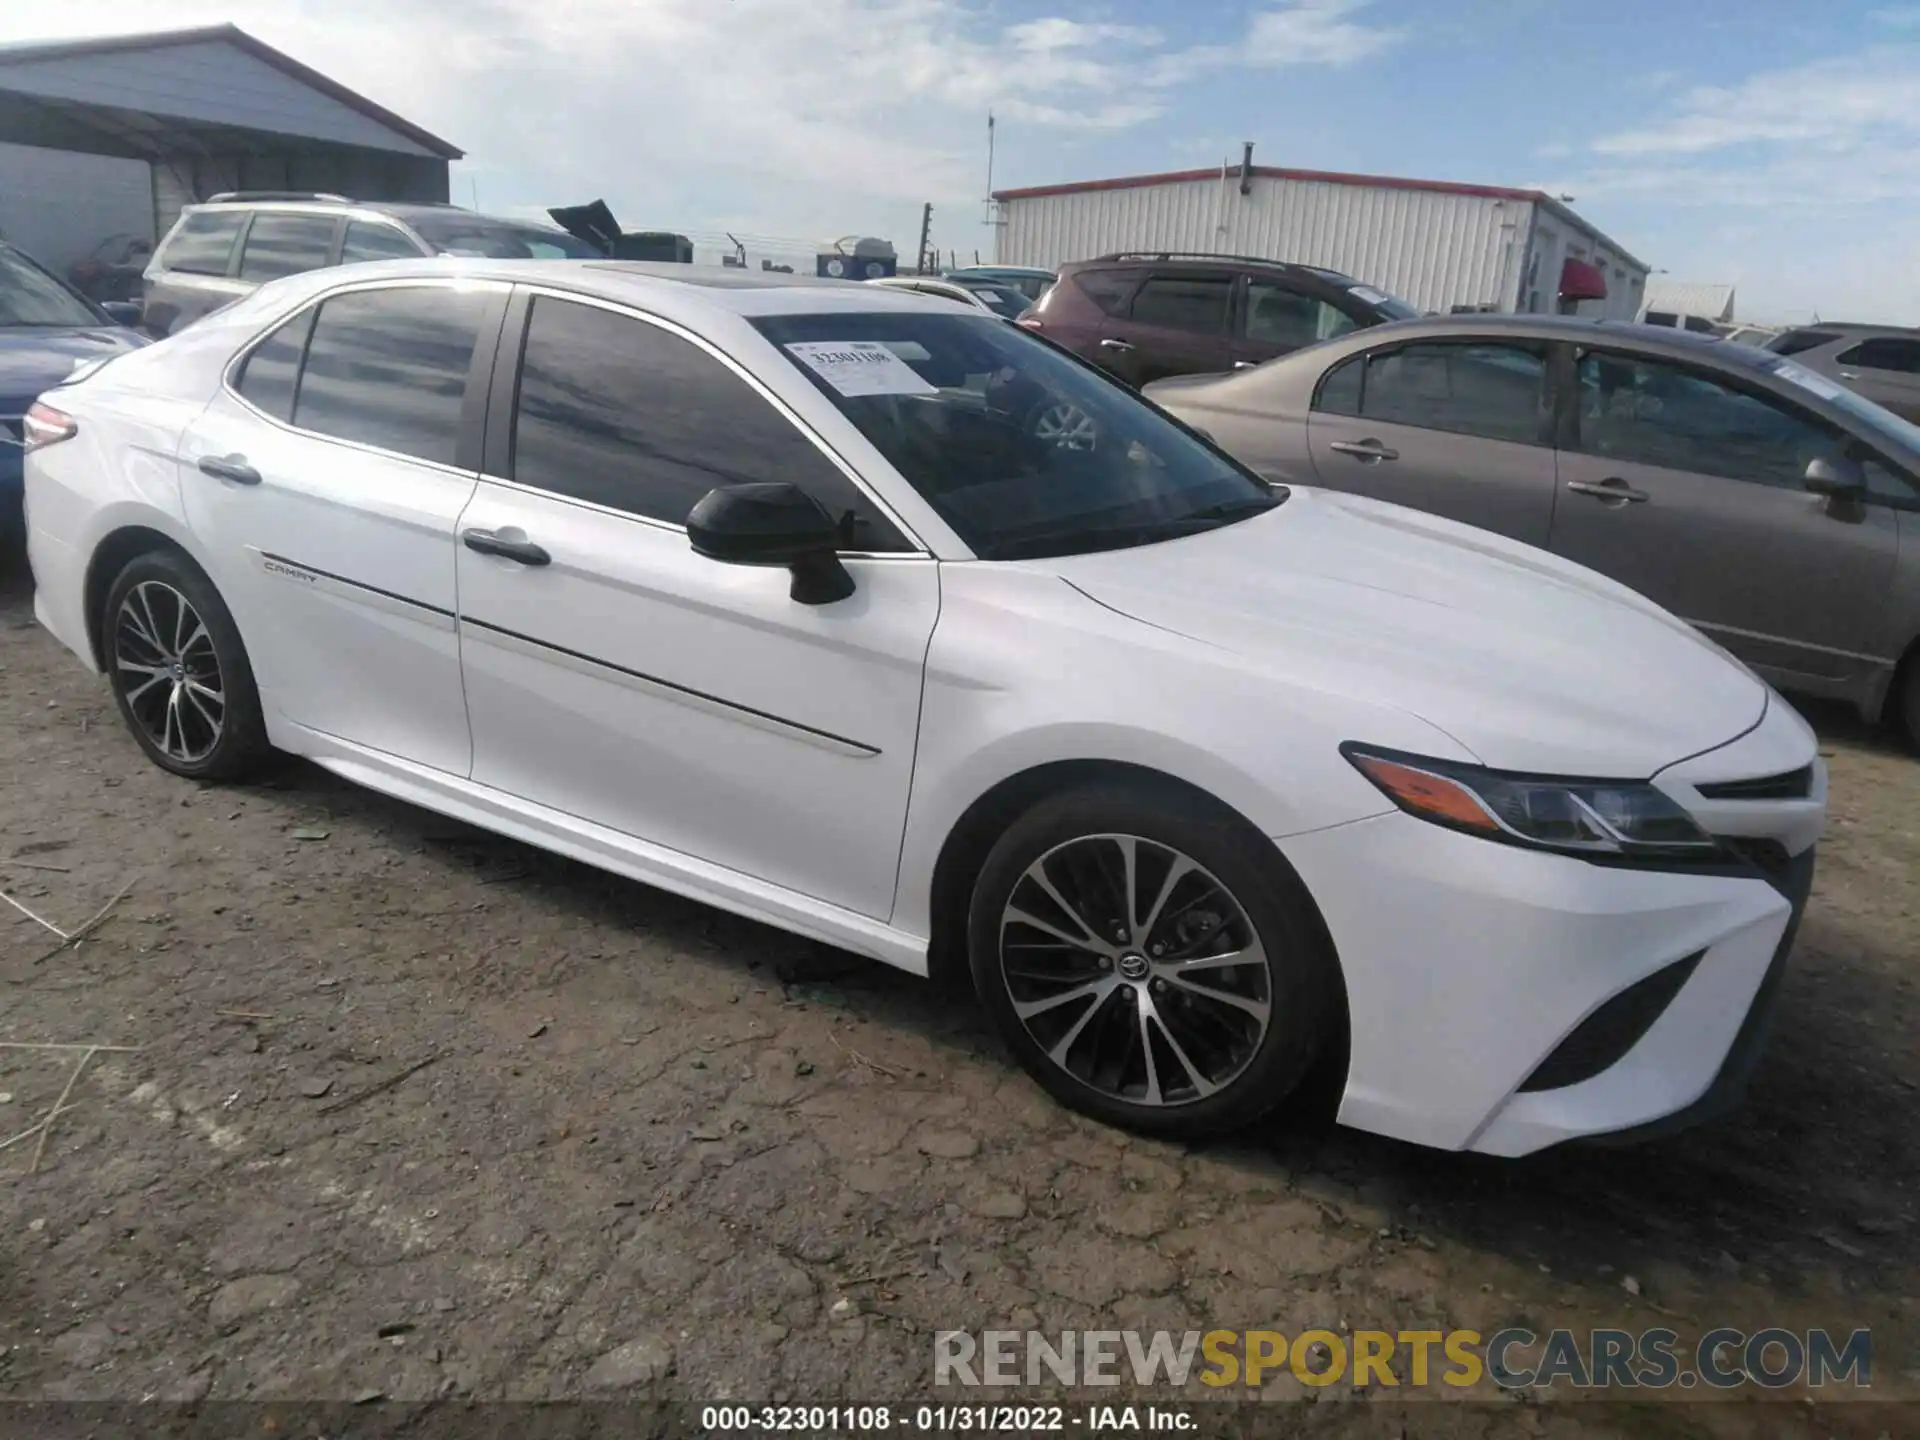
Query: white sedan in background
point(1001, 300)
point(783, 595)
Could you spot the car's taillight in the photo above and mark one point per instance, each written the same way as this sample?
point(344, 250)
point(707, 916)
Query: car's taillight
point(43, 425)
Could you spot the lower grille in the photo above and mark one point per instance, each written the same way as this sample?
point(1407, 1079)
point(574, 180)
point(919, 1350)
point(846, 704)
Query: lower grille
point(1599, 1041)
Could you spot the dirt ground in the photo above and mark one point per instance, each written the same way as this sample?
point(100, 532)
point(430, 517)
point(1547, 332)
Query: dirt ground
point(655, 1150)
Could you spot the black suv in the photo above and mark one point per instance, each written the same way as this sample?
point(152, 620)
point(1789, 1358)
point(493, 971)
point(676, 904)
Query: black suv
point(222, 249)
point(1145, 316)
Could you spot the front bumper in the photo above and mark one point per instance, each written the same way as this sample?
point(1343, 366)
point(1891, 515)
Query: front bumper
point(1469, 964)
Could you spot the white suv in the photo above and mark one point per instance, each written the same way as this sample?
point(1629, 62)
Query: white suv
point(791, 596)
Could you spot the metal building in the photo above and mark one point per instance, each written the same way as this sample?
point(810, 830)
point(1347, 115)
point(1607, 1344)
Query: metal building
point(1441, 246)
point(112, 136)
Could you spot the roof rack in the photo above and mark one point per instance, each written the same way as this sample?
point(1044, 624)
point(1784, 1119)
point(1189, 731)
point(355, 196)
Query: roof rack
point(227, 196)
point(1201, 255)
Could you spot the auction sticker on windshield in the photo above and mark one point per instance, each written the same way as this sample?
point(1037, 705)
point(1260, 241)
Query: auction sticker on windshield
point(860, 367)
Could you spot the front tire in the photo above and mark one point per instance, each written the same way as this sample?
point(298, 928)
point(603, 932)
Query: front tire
point(179, 671)
point(1151, 961)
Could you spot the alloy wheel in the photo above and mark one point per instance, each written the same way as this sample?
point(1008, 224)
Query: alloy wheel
point(1135, 970)
point(168, 672)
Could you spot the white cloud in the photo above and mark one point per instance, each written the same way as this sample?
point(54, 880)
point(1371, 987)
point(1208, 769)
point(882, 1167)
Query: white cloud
point(794, 116)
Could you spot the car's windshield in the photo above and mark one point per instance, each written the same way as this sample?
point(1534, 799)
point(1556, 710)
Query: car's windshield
point(30, 296)
point(1391, 306)
point(1022, 450)
point(458, 234)
point(1875, 418)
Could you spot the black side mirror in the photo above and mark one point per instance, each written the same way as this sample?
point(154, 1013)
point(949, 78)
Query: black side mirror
point(122, 312)
point(1836, 477)
point(773, 523)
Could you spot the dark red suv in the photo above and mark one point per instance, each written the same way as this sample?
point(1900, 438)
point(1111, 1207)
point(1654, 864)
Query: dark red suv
point(1147, 316)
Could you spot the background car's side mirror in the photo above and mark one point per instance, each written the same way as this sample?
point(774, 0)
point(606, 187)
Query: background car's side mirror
point(122, 312)
point(1836, 477)
point(773, 523)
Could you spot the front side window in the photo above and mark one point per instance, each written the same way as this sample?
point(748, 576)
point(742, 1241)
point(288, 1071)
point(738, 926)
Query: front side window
point(1279, 316)
point(279, 245)
point(1022, 450)
point(367, 240)
point(622, 413)
point(1494, 391)
point(203, 244)
point(1649, 412)
point(1884, 353)
point(30, 296)
point(388, 368)
point(1194, 303)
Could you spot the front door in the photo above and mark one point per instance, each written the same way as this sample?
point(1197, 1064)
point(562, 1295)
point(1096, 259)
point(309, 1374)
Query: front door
point(623, 679)
point(326, 486)
point(1455, 428)
point(1177, 324)
point(1693, 492)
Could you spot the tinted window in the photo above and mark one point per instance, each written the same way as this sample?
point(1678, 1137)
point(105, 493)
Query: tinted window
point(1885, 353)
point(369, 241)
point(1289, 319)
point(388, 368)
point(1794, 341)
point(1022, 449)
point(1498, 392)
point(1340, 391)
point(460, 232)
point(203, 244)
point(280, 245)
point(1109, 289)
point(31, 296)
point(270, 373)
point(1180, 302)
point(1650, 413)
point(623, 413)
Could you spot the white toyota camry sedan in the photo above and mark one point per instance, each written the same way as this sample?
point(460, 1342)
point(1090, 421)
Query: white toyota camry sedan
point(897, 627)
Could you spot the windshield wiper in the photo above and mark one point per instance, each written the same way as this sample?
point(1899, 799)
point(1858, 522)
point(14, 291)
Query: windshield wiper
point(1234, 509)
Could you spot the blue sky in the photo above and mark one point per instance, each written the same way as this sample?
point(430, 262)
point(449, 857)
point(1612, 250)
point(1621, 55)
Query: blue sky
point(1770, 143)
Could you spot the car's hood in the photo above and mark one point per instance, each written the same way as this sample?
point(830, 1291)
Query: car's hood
point(33, 358)
point(1531, 663)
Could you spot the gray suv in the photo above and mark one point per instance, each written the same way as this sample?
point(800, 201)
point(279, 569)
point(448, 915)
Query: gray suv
point(1881, 362)
point(222, 249)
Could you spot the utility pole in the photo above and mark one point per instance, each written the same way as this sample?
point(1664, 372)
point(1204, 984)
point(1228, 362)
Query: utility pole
point(926, 231)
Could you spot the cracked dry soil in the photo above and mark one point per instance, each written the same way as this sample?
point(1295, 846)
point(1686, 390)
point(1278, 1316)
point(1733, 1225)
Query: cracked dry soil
point(656, 1150)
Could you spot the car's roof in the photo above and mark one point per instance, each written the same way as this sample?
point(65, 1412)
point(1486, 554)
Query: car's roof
point(1566, 327)
point(1853, 328)
point(409, 211)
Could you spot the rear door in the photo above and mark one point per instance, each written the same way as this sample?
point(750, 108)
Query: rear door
point(281, 243)
point(1460, 428)
point(1177, 323)
point(325, 481)
point(628, 681)
point(1885, 369)
point(1278, 315)
point(1691, 489)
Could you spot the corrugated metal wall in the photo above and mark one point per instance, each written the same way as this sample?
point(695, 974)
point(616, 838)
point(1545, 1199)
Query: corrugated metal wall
point(57, 206)
point(1437, 249)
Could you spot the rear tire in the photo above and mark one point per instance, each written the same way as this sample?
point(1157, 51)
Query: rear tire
point(1196, 1014)
point(179, 671)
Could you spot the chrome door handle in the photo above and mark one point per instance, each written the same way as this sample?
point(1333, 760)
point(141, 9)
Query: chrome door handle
point(1123, 346)
point(486, 542)
point(1369, 450)
point(1243, 364)
point(1848, 375)
point(1613, 491)
point(229, 467)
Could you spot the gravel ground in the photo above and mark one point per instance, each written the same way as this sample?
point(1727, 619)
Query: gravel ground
point(652, 1150)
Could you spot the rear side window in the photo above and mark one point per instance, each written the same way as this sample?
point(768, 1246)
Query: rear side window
point(271, 373)
point(1795, 341)
point(1497, 392)
point(388, 368)
point(1197, 303)
point(279, 245)
point(622, 413)
point(1109, 289)
point(368, 241)
point(1884, 353)
point(203, 244)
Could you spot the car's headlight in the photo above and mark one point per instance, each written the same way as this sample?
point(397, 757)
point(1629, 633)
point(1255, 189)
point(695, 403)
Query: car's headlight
point(1582, 817)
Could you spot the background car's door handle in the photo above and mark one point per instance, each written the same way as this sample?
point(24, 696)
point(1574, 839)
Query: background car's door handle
point(1849, 375)
point(1123, 346)
point(1364, 449)
point(229, 467)
point(1243, 364)
point(487, 543)
point(1613, 489)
